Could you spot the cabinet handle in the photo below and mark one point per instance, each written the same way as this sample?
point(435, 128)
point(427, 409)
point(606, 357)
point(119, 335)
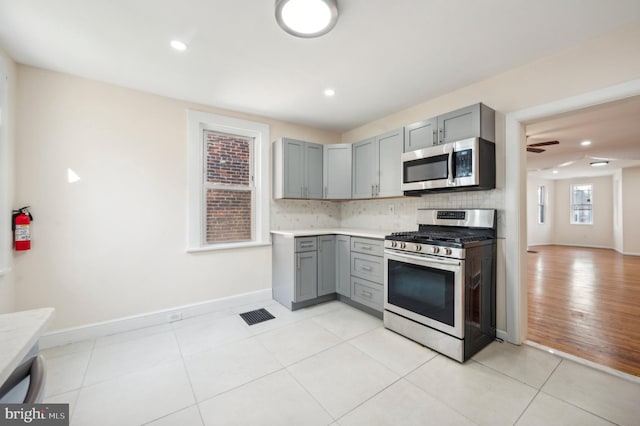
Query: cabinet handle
point(367, 294)
point(298, 261)
point(441, 130)
point(372, 186)
point(366, 247)
point(306, 245)
point(366, 268)
point(435, 137)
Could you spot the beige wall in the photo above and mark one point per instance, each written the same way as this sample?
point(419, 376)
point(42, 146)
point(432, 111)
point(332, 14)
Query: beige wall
point(113, 244)
point(631, 210)
point(609, 60)
point(7, 297)
point(600, 234)
point(540, 234)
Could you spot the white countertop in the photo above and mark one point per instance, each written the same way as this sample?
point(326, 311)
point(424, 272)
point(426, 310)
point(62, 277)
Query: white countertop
point(307, 232)
point(19, 331)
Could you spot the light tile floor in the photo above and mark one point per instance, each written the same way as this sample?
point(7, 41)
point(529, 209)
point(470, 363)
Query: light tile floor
point(325, 365)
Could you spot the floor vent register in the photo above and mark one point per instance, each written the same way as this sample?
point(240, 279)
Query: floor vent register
point(257, 316)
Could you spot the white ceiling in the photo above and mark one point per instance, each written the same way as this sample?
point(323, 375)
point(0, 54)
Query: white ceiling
point(382, 56)
point(612, 128)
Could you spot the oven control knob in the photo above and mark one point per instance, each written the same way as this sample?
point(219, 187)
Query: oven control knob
point(402, 245)
point(418, 247)
point(447, 251)
point(394, 244)
point(435, 249)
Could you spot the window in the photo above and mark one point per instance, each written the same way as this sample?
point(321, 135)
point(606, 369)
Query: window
point(581, 204)
point(228, 176)
point(541, 203)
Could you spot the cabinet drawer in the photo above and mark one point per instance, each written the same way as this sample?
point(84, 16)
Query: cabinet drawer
point(367, 246)
point(367, 293)
point(306, 244)
point(367, 267)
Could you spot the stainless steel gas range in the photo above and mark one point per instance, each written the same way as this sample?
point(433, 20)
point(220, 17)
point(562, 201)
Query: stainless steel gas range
point(440, 281)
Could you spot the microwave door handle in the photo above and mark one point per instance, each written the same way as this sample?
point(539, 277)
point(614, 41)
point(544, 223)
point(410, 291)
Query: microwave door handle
point(450, 167)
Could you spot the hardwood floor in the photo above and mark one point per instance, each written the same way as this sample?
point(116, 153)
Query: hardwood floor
point(586, 302)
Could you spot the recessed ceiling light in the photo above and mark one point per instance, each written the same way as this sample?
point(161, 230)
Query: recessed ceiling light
point(585, 143)
point(307, 18)
point(329, 92)
point(178, 45)
point(599, 163)
point(555, 172)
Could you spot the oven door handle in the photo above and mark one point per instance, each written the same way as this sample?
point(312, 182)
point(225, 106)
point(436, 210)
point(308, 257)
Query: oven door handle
point(424, 259)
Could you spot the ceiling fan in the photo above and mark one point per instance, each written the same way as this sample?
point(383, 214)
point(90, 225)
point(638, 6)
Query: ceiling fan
point(534, 146)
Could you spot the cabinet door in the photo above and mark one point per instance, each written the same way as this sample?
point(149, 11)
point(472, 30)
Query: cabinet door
point(459, 124)
point(390, 174)
point(306, 276)
point(337, 171)
point(365, 168)
point(421, 135)
point(326, 264)
point(343, 265)
point(313, 170)
point(293, 164)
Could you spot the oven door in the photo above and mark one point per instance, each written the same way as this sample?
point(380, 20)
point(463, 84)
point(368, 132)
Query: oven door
point(426, 289)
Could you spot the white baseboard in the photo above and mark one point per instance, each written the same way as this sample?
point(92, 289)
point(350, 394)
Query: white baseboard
point(105, 328)
point(501, 334)
point(583, 245)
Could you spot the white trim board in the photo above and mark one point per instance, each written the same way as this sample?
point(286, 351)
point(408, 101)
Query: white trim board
point(149, 319)
point(515, 193)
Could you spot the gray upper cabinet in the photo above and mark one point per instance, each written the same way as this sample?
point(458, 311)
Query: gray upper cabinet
point(377, 166)
point(337, 171)
point(390, 164)
point(421, 134)
point(476, 120)
point(313, 168)
point(297, 169)
point(326, 264)
point(365, 168)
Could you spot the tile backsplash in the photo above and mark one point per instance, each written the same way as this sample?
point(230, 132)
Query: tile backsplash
point(375, 213)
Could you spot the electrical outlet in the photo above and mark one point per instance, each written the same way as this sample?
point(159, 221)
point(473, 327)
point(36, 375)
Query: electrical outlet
point(391, 209)
point(176, 316)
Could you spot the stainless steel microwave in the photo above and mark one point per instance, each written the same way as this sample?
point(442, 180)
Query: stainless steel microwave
point(468, 164)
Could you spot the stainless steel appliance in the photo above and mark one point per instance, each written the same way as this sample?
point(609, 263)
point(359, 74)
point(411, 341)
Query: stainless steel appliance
point(440, 281)
point(467, 164)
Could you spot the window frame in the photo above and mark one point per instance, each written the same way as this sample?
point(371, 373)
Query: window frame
point(198, 122)
point(571, 204)
point(542, 204)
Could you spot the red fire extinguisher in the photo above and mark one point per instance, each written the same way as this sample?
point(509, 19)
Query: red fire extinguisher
point(21, 233)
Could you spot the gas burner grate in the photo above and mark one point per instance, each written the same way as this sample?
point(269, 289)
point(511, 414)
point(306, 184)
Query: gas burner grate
point(257, 316)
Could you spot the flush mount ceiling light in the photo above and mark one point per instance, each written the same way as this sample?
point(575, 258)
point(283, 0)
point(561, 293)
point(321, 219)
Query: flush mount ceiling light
point(329, 92)
point(178, 45)
point(585, 143)
point(599, 163)
point(307, 18)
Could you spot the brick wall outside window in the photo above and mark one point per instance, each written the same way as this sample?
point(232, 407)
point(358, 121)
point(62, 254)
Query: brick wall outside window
point(228, 216)
point(228, 160)
point(228, 184)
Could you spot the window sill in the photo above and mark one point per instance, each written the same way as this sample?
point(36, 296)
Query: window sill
point(228, 246)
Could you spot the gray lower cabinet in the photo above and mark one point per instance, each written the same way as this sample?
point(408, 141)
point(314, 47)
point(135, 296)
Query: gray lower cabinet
point(476, 120)
point(326, 264)
point(297, 167)
point(343, 265)
point(337, 171)
point(377, 166)
point(309, 270)
point(306, 276)
point(367, 272)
